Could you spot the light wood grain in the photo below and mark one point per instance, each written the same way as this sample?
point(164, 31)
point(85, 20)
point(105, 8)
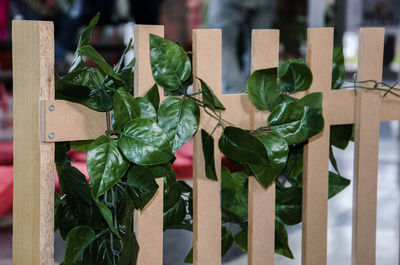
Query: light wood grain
point(33, 80)
point(261, 234)
point(206, 193)
point(366, 148)
point(149, 222)
point(316, 154)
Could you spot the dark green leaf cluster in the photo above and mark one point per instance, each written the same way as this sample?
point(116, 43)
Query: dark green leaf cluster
point(96, 218)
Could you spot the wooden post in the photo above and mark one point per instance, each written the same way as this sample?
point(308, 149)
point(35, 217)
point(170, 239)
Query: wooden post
point(149, 222)
point(316, 154)
point(33, 81)
point(367, 122)
point(206, 193)
point(261, 234)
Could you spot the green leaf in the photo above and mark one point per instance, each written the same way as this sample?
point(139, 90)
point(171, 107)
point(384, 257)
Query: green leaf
point(85, 38)
point(337, 183)
point(294, 76)
point(281, 239)
point(118, 66)
point(169, 63)
point(70, 91)
point(241, 240)
point(107, 215)
point(338, 68)
point(262, 88)
point(242, 147)
point(91, 53)
point(189, 257)
point(78, 240)
point(142, 185)
point(82, 146)
point(147, 109)
point(333, 159)
point(179, 118)
point(296, 122)
point(126, 108)
point(127, 76)
point(277, 150)
point(143, 142)
point(106, 164)
point(174, 205)
point(312, 100)
point(209, 98)
point(289, 205)
point(340, 135)
point(226, 240)
point(208, 152)
point(153, 96)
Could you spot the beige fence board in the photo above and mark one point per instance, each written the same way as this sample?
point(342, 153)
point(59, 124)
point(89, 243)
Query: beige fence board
point(316, 154)
point(33, 80)
point(70, 121)
point(206, 193)
point(261, 234)
point(149, 222)
point(366, 149)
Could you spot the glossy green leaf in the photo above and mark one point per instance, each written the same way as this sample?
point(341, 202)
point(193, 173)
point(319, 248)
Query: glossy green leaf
point(340, 135)
point(127, 76)
point(118, 66)
point(169, 63)
point(337, 183)
point(70, 91)
point(296, 122)
point(78, 240)
point(153, 96)
point(208, 152)
point(107, 215)
point(277, 150)
point(143, 142)
point(179, 118)
point(174, 205)
point(262, 88)
point(241, 240)
point(294, 76)
point(189, 257)
point(240, 146)
point(289, 205)
point(142, 185)
point(147, 109)
point(126, 108)
point(281, 239)
point(82, 146)
point(106, 164)
point(338, 68)
point(226, 240)
point(332, 159)
point(91, 53)
point(209, 98)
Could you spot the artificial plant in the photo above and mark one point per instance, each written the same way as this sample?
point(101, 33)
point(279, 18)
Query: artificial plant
point(96, 218)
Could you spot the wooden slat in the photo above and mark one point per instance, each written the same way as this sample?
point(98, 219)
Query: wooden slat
point(149, 222)
point(68, 121)
point(366, 148)
point(261, 234)
point(316, 154)
point(33, 80)
point(206, 193)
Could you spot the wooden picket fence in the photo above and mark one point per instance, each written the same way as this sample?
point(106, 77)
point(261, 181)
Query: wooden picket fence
point(36, 128)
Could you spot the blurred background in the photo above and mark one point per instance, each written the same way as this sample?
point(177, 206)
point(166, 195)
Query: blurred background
point(236, 18)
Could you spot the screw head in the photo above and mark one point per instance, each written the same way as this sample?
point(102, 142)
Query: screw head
point(51, 107)
point(51, 135)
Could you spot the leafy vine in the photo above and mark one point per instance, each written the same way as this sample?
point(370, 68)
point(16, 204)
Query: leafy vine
point(96, 218)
